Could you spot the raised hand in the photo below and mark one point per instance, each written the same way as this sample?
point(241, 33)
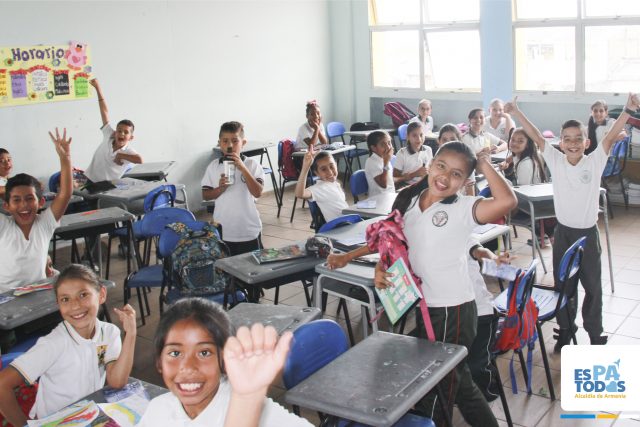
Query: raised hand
point(62, 144)
point(633, 102)
point(254, 357)
point(127, 316)
point(94, 83)
point(511, 106)
point(308, 158)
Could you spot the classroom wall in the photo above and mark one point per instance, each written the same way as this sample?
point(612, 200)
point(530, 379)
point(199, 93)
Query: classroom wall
point(178, 70)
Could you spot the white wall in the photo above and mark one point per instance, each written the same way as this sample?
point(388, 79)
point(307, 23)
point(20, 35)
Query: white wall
point(178, 69)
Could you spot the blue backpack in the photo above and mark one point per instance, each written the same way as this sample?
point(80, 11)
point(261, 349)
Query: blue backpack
point(192, 262)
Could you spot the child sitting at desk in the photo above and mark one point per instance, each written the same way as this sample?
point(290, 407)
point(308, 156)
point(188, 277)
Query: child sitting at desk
point(236, 195)
point(499, 123)
point(599, 125)
point(327, 191)
point(114, 154)
point(78, 356)
point(424, 116)
point(25, 235)
point(214, 378)
point(477, 139)
point(6, 164)
point(378, 169)
point(312, 131)
point(412, 160)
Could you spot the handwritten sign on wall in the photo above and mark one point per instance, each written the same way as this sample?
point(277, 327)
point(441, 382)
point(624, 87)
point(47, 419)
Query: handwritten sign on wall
point(34, 74)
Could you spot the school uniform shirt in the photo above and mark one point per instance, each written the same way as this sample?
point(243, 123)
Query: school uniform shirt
point(407, 162)
point(484, 298)
point(23, 261)
point(499, 131)
point(236, 208)
point(68, 366)
point(102, 166)
point(3, 181)
point(480, 141)
point(427, 127)
point(603, 130)
point(374, 167)
point(527, 172)
point(166, 410)
point(438, 241)
point(576, 189)
point(330, 198)
point(306, 131)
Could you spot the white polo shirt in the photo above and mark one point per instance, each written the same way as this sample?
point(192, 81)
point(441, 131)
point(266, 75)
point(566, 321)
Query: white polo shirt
point(3, 181)
point(427, 127)
point(484, 298)
point(102, 166)
point(306, 131)
point(602, 131)
point(330, 198)
point(527, 171)
point(236, 208)
point(438, 241)
point(374, 167)
point(23, 261)
point(480, 141)
point(576, 189)
point(166, 410)
point(68, 366)
point(499, 131)
point(407, 162)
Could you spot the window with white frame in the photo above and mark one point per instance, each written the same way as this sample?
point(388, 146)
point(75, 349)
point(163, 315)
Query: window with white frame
point(432, 45)
point(580, 46)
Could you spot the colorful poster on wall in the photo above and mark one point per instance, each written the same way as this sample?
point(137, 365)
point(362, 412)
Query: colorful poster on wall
point(33, 74)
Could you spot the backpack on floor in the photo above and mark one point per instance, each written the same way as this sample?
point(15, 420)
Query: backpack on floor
point(518, 330)
point(399, 113)
point(192, 262)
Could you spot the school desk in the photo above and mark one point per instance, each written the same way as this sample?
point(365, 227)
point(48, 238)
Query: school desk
point(29, 307)
point(363, 134)
point(151, 389)
point(254, 276)
point(379, 380)
point(282, 317)
point(382, 201)
point(153, 171)
point(339, 151)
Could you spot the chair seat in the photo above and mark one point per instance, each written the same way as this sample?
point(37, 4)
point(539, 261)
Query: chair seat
point(500, 302)
point(122, 231)
point(408, 420)
point(174, 295)
point(147, 276)
point(546, 300)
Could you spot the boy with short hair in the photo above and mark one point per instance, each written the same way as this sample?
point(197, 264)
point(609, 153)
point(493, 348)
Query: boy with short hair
point(576, 188)
point(327, 191)
point(378, 169)
point(114, 153)
point(236, 209)
point(6, 164)
point(25, 235)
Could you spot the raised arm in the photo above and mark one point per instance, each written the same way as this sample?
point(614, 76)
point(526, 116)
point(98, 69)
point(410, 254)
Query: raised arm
point(301, 185)
point(632, 105)
point(503, 200)
point(511, 108)
point(118, 372)
point(63, 148)
point(104, 111)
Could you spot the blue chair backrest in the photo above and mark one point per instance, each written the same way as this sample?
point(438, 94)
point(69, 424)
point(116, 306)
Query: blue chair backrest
point(160, 197)
point(154, 222)
point(571, 260)
point(485, 192)
point(335, 129)
point(402, 132)
point(54, 182)
point(315, 344)
point(6, 359)
point(617, 157)
point(525, 287)
point(358, 183)
point(169, 238)
point(340, 221)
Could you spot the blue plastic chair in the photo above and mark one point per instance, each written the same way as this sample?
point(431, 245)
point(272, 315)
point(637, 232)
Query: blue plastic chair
point(317, 219)
point(358, 184)
point(152, 225)
point(315, 345)
point(166, 244)
point(402, 133)
point(339, 222)
point(335, 130)
point(615, 166)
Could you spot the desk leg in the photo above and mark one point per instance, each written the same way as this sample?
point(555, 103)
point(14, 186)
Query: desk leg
point(133, 253)
point(273, 178)
point(317, 291)
point(603, 194)
point(534, 239)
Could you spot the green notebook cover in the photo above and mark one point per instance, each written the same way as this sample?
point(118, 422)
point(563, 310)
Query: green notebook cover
point(401, 297)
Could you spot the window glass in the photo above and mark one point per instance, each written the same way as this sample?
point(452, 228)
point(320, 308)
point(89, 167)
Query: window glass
point(612, 58)
point(452, 60)
point(544, 9)
point(390, 12)
point(395, 59)
point(599, 8)
point(451, 10)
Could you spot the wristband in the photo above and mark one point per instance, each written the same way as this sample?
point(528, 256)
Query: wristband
point(386, 168)
point(629, 111)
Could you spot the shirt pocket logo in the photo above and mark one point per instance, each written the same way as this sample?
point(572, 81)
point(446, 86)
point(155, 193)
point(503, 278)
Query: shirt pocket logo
point(440, 218)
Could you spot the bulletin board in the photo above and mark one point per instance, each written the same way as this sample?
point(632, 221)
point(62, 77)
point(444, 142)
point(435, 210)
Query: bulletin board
point(35, 74)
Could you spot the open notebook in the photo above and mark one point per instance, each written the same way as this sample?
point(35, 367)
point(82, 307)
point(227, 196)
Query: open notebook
point(279, 254)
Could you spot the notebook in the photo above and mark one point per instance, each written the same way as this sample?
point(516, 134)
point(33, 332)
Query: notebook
point(263, 256)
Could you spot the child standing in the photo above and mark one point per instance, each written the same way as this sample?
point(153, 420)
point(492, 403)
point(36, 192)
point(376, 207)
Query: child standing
point(235, 195)
point(599, 125)
point(378, 166)
point(477, 139)
point(312, 131)
point(114, 153)
point(576, 189)
point(214, 378)
point(327, 191)
point(412, 160)
point(424, 116)
point(78, 356)
point(500, 123)
point(6, 164)
point(25, 235)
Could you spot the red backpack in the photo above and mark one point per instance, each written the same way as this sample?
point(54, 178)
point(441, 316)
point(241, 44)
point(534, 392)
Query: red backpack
point(287, 168)
point(517, 330)
point(398, 112)
point(26, 397)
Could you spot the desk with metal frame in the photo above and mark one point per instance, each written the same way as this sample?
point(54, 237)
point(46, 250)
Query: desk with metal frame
point(379, 380)
point(282, 317)
point(152, 171)
point(383, 203)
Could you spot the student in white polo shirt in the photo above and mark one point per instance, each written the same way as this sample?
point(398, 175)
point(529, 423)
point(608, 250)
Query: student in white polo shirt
point(114, 154)
point(327, 192)
point(576, 190)
point(236, 195)
point(477, 139)
point(378, 168)
point(78, 356)
point(412, 160)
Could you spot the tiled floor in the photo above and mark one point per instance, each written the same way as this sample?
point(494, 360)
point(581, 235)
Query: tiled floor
point(621, 311)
